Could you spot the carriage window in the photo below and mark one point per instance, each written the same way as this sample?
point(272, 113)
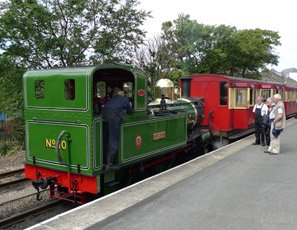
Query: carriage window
point(281, 92)
point(69, 89)
point(252, 96)
point(240, 97)
point(266, 93)
point(39, 89)
point(223, 92)
point(100, 89)
point(257, 94)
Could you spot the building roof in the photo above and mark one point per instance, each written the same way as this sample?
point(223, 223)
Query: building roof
point(274, 76)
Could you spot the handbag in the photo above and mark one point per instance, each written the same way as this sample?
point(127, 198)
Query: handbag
point(265, 119)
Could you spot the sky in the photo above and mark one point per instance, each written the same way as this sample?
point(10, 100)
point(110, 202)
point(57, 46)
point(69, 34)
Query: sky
point(273, 15)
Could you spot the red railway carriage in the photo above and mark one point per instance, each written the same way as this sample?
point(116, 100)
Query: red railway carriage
point(290, 100)
point(229, 102)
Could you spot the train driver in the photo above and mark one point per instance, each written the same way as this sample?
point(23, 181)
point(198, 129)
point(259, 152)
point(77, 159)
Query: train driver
point(113, 112)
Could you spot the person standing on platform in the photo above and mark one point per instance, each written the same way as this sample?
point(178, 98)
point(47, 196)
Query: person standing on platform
point(113, 112)
point(260, 108)
point(277, 125)
point(271, 116)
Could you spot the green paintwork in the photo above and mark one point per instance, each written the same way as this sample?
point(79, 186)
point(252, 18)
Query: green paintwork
point(47, 117)
point(173, 127)
point(47, 139)
point(54, 89)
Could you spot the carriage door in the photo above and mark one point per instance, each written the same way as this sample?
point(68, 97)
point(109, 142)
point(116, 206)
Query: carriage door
point(239, 105)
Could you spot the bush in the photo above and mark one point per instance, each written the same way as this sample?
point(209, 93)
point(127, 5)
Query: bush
point(8, 148)
point(14, 129)
point(4, 148)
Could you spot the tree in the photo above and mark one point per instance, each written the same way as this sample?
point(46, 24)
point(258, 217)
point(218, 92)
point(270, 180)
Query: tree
point(154, 59)
point(196, 48)
point(251, 50)
point(47, 33)
point(11, 95)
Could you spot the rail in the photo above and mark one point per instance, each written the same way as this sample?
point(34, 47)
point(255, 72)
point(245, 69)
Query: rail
point(9, 174)
point(15, 219)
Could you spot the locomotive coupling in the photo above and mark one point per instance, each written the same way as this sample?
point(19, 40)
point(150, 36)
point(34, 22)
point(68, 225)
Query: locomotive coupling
point(41, 183)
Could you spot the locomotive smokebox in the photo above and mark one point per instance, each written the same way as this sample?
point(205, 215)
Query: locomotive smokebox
point(185, 86)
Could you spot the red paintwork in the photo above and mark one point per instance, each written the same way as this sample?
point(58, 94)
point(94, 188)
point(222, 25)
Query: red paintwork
point(141, 92)
point(290, 107)
point(84, 183)
point(222, 119)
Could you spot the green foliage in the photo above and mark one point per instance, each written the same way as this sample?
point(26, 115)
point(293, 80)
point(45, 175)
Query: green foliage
point(4, 148)
point(189, 47)
point(8, 148)
point(15, 128)
point(47, 33)
point(11, 95)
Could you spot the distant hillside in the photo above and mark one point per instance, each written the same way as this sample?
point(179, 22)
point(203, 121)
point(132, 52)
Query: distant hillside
point(273, 75)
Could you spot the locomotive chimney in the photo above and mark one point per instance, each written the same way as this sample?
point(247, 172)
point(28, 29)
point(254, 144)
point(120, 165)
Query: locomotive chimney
point(185, 86)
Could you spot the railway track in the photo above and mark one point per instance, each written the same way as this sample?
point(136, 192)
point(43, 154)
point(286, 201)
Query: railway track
point(20, 217)
point(11, 173)
point(13, 177)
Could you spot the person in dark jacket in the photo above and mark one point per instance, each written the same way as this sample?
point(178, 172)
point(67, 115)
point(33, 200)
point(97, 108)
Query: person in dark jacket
point(113, 112)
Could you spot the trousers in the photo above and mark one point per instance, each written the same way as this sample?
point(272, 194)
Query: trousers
point(259, 132)
point(274, 146)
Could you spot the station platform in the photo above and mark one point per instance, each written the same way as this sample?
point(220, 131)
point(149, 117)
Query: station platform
point(235, 187)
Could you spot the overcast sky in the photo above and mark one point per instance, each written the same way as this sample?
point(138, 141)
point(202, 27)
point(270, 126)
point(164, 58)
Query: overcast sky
point(273, 15)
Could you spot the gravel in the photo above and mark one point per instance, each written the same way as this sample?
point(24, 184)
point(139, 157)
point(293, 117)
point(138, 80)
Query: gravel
point(14, 161)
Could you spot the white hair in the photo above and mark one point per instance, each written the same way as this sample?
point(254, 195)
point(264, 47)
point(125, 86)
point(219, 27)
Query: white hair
point(277, 96)
point(269, 99)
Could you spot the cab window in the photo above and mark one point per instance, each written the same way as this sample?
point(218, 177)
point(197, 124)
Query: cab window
point(69, 89)
point(39, 89)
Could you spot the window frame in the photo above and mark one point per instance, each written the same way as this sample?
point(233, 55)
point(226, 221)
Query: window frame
point(232, 98)
point(42, 89)
point(69, 89)
point(224, 83)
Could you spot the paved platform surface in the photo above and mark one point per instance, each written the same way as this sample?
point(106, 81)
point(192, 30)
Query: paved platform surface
point(235, 187)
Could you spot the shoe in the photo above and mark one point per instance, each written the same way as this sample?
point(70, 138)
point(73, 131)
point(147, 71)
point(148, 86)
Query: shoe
point(271, 153)
point(111, 167)
point(263, 144)
point(255, 143)
point(266, 151)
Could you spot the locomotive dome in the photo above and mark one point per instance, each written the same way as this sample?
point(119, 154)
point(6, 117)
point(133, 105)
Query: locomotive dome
point(164, 87)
